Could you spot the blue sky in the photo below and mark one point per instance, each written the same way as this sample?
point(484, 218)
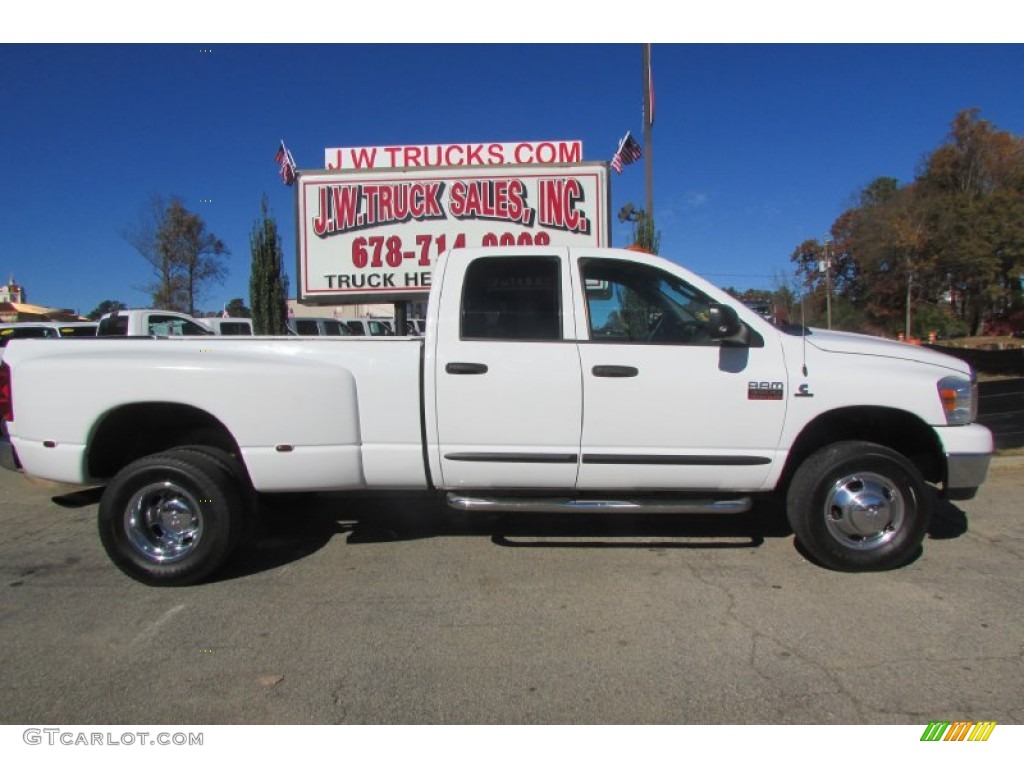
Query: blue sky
point(756, 146)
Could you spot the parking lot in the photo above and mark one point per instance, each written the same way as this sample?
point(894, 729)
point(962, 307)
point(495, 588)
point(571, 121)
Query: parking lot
point(388, 610)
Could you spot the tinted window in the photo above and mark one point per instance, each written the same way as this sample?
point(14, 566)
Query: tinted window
point(335, 328)
point(377, 328)
point(629, 302)
point(513, 298)
point(113, 326)
point(77, 330)
point(27, 332)
point(356, 328)
point(228, 328)
point(169, 325)
point(307, 328)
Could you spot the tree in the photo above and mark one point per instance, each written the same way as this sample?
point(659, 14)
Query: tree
point(942, 252)
point(194, 253)
point(644, 234)
point(268, 283)
point(185, 257)
point(165, 288)
point(105, 306)
point(237, 308)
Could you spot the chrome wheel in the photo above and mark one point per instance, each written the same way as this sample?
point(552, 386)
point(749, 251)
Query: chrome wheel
point(163, 522)
point(864, 510)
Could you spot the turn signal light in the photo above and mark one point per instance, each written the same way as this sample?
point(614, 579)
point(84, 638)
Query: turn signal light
point(959, 398)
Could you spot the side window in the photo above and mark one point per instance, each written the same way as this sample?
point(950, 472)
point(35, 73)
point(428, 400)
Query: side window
point(169, 325)
point(356, 328)
point(513, 299)
point(334, 328)
point(116, 325)
point(307, 328)
point(636, 303)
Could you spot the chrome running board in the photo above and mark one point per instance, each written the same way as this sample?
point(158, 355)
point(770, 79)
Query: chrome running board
point(570, 505)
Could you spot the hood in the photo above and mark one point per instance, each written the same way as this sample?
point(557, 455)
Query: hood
point(861, 344)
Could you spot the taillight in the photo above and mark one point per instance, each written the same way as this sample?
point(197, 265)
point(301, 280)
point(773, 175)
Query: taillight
point(6, 394)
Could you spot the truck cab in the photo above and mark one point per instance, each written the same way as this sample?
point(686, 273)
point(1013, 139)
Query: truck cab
point(150, 322)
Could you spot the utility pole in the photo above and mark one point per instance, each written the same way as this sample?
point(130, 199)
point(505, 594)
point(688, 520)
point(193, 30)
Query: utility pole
point(648, 86)
point(827, 269)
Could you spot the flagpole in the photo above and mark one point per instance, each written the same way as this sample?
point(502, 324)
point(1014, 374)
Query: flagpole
point(648, 120)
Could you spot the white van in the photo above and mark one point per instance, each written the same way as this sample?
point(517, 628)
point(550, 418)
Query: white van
point(228, 326)
point(317, 326)
point(371, 326)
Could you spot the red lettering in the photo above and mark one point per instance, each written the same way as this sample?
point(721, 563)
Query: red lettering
point(571, 152)
point(432, 201)
point(362, 157)
point(370, 194)
point(473, 156)
point(546, 153)
point(412, 156)
point(503, 199)
point(449, 151)
point(346, 207)
point(338, 208)
point(558, 199)
point(322, 223)
point(392, 153)
point(337, 161)
point(495, 156)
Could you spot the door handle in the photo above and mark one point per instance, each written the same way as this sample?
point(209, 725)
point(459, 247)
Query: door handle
point(615, 371)
point(466, 369)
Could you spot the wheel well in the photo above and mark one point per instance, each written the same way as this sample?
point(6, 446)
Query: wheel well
point(903, 432)
point(138, 430)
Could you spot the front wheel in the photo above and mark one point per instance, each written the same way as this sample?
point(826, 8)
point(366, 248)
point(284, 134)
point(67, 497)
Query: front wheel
point(859, 506)
point(171, 518)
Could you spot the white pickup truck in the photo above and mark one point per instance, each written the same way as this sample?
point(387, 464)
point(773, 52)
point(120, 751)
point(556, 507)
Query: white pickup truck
point(549, 380)
point(150, 322)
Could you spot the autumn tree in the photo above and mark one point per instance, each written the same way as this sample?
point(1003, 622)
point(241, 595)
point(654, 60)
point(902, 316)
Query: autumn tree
point(184, 256)
point(974, 188)
point(939, 253)
point(268, 283)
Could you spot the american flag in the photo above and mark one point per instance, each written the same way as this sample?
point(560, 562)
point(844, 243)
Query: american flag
point(287, 165)
point(629, 152)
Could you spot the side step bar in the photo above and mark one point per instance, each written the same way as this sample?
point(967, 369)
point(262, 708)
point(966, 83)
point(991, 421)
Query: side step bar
point(566, 505)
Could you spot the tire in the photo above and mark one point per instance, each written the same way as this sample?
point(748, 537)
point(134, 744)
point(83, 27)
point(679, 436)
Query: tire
point(172, 518)
point(858, 506)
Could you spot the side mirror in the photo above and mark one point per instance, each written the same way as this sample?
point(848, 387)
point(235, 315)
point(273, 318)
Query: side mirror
point(725, 326)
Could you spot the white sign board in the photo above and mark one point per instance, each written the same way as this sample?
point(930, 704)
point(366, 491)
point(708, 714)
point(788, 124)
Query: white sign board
point(373, 236)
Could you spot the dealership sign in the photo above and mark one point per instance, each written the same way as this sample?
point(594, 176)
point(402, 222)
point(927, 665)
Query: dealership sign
point(374, 235)
point(438, 155)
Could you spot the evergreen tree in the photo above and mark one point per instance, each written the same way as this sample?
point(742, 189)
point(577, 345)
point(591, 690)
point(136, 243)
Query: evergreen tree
point(268, 283)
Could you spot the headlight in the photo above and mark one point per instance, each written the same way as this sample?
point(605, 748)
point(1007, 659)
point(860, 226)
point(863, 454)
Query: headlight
point(959, 398)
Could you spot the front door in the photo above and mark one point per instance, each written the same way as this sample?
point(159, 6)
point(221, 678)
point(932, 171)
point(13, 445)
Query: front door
point(665, 405)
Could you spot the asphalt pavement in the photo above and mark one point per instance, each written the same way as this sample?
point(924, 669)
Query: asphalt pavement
point(388, 610)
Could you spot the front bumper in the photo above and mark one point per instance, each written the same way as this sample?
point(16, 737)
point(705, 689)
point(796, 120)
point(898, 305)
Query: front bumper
point(968, 452)
point(964, 475)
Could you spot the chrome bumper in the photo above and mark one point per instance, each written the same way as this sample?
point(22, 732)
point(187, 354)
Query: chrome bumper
point(965, 472)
